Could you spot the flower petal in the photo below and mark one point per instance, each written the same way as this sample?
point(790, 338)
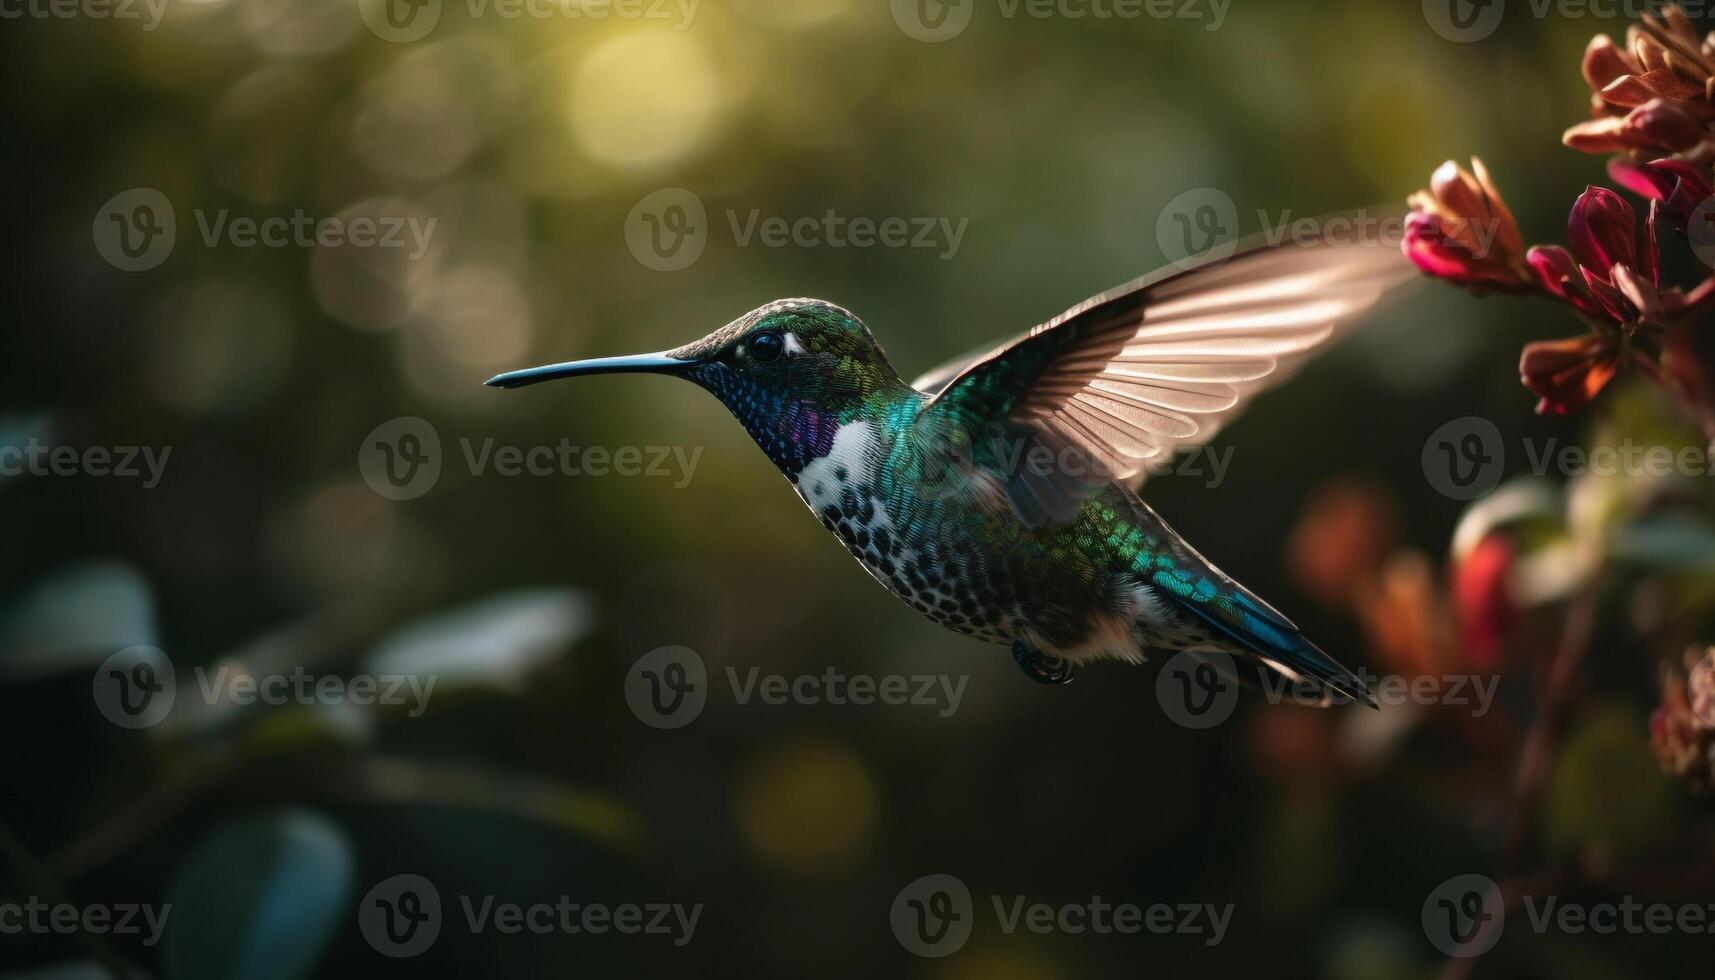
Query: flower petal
point(1607, 134)
point(1649, 252)
point(1567, 374)
point(1638, 292)
point(1614, 305)
point(1605, 61)
point(1561, 278)
point(1603, 229)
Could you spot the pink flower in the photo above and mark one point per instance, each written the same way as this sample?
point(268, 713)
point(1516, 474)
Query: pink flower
point(1613, 271)
point(1656, 95)
point(1460, 230)
point(1567, 374)
point(1682, 729)
point(1654, 128)
point(1681, 187)
point(1483, 601)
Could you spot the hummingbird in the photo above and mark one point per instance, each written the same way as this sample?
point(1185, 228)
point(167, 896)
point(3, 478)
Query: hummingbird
point(997, 494)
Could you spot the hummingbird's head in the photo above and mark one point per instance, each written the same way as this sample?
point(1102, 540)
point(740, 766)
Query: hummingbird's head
point(792, 371)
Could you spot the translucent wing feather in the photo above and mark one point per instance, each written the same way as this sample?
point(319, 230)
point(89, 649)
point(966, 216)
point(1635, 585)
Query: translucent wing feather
point(1127, 377)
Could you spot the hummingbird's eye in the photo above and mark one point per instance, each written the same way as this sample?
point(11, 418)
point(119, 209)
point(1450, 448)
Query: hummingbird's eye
point(765, 346)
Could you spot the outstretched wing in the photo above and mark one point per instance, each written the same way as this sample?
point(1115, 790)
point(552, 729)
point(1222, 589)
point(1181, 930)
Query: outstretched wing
point(1125, 378)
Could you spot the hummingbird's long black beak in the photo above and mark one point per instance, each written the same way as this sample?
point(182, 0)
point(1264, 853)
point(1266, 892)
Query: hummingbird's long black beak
point(659, 363)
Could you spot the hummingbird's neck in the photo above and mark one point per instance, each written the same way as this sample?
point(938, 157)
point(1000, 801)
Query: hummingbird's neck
point(797, 426)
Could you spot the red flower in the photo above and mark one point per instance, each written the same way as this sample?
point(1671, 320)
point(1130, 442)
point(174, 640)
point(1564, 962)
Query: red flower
point(1657, 94)
point(1613, 270)
point(1682, 730)
point(1566, 374)
point(1483, 601)
point(1658, 126)
point(1460, 230)
point(1680, 187)
point(1348, 528)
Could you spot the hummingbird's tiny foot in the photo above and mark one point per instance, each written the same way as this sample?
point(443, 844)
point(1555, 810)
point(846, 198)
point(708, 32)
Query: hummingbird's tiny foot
point(1042, 668)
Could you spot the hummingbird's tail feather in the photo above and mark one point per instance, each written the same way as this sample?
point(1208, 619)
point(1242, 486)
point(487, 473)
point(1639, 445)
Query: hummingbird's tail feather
point(1285, 661)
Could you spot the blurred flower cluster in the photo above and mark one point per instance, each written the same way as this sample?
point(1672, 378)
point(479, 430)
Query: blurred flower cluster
point(1568, 597)
point(1517, 668)
point(1682, 730)
point(1654, 105)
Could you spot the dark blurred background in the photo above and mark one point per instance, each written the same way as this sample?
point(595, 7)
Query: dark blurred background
point(530, 142)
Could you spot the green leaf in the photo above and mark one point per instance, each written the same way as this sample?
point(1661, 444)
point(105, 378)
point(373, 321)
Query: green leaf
point(260, 899)
point(585, 812)
point(1672, 542)
point(1607, 758)
point(496, 642)
point(74, 619)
